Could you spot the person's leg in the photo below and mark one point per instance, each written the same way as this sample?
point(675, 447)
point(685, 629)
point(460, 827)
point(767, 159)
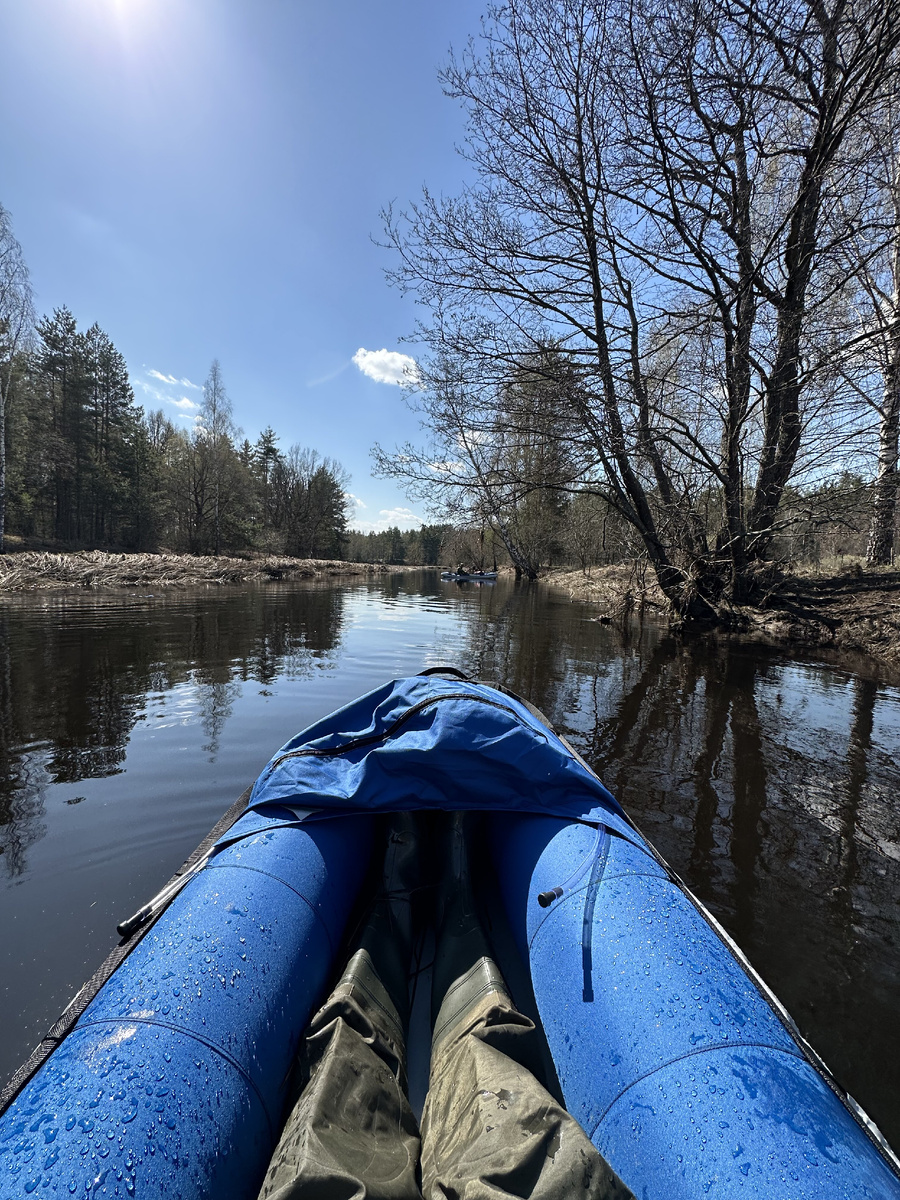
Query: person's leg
point(490, 1129)
point(351, 1134)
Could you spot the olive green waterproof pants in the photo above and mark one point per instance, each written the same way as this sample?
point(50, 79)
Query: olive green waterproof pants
point(489, 1129)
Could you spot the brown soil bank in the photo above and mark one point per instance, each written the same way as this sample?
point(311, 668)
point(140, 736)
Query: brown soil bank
point(854, 610)
point(33, 570)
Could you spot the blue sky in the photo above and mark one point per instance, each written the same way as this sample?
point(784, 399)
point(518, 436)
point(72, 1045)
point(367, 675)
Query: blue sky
point(204, 177)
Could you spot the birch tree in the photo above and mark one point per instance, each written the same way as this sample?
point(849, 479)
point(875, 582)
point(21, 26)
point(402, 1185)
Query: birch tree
point(16, 321)
point(882, 290)
point(216, 431)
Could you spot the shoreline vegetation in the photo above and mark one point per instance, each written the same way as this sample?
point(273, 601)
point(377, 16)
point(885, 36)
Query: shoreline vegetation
point(35, 570)
point(851, 610)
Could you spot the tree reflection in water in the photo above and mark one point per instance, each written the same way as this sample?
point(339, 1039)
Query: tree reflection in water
point(75, 674)
point(763, 783)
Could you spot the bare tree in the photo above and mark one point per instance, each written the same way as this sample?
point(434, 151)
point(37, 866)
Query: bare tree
point(499, 455)
point(216, 431)
point(881, 533)
point(16, 321)
point(874, 372)
point(661, 190)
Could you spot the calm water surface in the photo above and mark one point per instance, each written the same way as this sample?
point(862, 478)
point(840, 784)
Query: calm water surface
point(128, 723)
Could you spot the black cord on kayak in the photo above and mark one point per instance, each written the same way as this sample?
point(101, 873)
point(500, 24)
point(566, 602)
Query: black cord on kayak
point(149, 910)
point(135, 921)
point(596, 853)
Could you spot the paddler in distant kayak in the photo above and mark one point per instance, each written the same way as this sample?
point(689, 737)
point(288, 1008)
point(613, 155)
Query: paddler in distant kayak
point(489, 1128)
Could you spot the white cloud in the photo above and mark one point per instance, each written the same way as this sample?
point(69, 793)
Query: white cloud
point(355, 500)
point(166, 389)
point(387, 366)
point(151, 391)
point(403, 517)
point(394, 516)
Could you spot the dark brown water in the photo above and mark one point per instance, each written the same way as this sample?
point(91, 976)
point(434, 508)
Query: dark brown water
point(128, 723)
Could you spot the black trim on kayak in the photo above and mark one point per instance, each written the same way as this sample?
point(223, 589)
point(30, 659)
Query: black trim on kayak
point(64, 1023)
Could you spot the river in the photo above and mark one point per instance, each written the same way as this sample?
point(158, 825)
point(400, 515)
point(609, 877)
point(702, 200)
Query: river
point(129, 722)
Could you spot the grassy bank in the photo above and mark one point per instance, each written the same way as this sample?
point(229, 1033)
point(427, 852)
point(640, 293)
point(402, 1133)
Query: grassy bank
point(616, 591)
point(853, 609)
point(32, 570)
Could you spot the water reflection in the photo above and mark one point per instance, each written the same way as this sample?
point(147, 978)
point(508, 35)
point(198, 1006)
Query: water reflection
point(76, 674)
point(769, 783)
point(761, 782)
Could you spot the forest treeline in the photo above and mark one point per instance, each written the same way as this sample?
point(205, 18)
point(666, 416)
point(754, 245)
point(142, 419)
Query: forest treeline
point(82, 465)
point(85, 466)
point(426, 546)
point(825, 528)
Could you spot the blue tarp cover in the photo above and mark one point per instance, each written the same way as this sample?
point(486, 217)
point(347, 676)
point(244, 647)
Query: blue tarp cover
point(429, 742)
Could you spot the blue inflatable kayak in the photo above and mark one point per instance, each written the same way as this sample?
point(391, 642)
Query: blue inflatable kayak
point(469, 576)
point(166, 1076)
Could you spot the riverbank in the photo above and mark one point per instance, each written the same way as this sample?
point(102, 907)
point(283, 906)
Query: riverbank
point(32, 570)
point(616, 591)
point(855, 609)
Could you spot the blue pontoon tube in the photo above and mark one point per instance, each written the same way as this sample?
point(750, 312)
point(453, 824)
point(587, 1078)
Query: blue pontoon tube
point(167, 1076)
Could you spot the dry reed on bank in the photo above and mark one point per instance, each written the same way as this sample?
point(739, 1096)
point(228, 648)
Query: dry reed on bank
point(616, 590)
point(34, 570)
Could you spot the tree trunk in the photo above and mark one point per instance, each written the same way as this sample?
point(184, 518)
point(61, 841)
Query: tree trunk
point(520, 562)
point(880, 551)
point(2, 468)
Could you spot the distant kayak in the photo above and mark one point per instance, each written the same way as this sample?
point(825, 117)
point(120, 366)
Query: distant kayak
point(167, 1076)
point(469, 576)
